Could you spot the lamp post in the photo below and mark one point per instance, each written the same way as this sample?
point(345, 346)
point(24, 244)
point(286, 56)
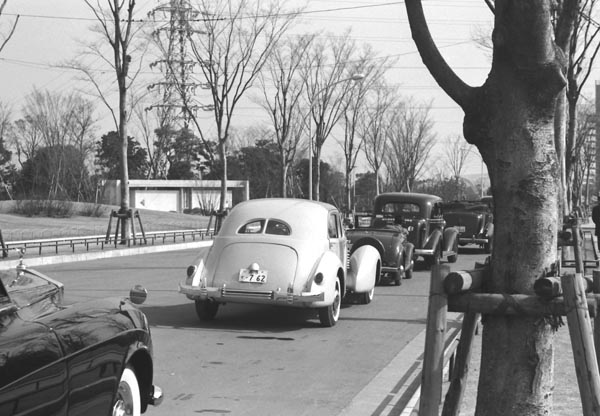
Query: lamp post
point(354, 78)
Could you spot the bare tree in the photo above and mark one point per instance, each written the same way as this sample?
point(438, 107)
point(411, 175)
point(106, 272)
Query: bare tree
point(328, 76)
point(58, 122)
point(456, 151)
point(575, 18)
point(372, 69)
point(5, 35)
point(117, 28)
point(510, 118)
point(283, 103)
point(146, 127)
point(585, 156)
point(5, 154)
point(411, 139)
point(375, 125)
point(231, 45)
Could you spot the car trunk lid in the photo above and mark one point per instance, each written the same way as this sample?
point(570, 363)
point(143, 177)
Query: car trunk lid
point(240, 260)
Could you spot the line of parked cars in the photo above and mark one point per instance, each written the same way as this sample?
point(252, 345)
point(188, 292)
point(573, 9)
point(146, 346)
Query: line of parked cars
point(95, 358)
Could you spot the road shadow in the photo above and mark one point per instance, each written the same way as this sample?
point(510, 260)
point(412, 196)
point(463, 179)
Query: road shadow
point(235, 317)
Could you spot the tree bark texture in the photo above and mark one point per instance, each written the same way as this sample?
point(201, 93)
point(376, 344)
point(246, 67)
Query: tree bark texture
point(511, 121)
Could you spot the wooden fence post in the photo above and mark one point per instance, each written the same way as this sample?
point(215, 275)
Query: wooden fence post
point(435, 335)
point(596, 289)
point(584, 354)
point(458, 381)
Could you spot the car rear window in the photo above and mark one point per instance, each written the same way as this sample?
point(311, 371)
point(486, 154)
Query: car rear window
point(406, 209)
point(252, 227)
point(271, 226)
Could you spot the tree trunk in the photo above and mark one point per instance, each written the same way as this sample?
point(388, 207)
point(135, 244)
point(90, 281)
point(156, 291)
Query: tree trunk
point(347, 188)
point(125, 223)
point(222, 155)
point(284, 170)
point(317, 172)
point(571, 152)
point(511, 121)
point(560, 143)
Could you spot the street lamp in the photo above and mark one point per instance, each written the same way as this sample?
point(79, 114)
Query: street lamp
point(354, 78)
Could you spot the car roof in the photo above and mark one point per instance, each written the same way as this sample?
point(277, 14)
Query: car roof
point(302, 215)
point(407, 197)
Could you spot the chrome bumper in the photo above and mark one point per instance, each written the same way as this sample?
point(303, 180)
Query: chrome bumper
point(473, 240)
point(225, 293)
point(386, 269)
point(424, 251)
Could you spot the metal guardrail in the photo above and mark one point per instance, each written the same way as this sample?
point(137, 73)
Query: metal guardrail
point(55, 245)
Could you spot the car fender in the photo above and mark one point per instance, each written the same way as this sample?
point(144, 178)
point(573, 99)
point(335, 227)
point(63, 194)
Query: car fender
point(433, 240)
point(450, 237)
point(408, 254)
point(330, 266)
point(364, 267)
point(198, 277)
point(371, 241)
point(489, 230)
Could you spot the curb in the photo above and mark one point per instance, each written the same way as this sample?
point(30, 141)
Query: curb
point(104, 254)
point(403, 374)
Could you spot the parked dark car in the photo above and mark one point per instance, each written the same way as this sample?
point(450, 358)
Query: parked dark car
point(474, 221)
point(389, 239)
point(422, 216)
point(91, 358)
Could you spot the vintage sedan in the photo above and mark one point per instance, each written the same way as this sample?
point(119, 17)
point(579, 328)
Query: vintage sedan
point(390, 239)
point(289, 252)
point(91, 358)
point(422, 216)
point(474, 221)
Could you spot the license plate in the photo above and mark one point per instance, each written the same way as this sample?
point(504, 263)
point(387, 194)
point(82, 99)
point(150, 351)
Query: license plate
point(462, 228)
point(247, 276)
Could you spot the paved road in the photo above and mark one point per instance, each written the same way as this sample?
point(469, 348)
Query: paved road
point(263, 360)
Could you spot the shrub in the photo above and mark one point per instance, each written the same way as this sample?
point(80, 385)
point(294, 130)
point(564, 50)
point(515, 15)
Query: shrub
point(92, 210)
point(43, 207)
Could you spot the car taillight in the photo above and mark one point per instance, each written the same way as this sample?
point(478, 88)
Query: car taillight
point(191, 270)
point(319, 278)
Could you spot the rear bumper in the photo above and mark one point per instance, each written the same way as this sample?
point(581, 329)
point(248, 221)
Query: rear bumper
point(385, 269)
point(473, 240)
point(243, 295)
point(424, 251)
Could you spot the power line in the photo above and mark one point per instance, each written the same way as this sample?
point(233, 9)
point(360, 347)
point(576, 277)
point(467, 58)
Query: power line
point(299, 13)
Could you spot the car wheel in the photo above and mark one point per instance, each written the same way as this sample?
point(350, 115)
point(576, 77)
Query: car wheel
point(454, 257)
point(367, 297)
point(206, 309)
point(397, 278)
point(329, 315)
point(127, 400)
point(408, 273)
point(489, 246)
point(434, 258)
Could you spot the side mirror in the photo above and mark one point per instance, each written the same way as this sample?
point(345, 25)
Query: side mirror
point(138, 294)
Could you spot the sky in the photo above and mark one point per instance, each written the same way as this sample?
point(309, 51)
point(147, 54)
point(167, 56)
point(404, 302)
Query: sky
point(51, 32)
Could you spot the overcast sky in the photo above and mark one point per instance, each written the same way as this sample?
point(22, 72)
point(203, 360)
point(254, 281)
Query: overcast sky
point(49, 31)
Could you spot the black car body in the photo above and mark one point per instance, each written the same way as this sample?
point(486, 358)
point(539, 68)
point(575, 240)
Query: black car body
point(474, 221)
point(70, 360)
point(422, 216)
point(389, 239)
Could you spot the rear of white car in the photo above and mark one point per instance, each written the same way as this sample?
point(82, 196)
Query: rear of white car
point(274, 251)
